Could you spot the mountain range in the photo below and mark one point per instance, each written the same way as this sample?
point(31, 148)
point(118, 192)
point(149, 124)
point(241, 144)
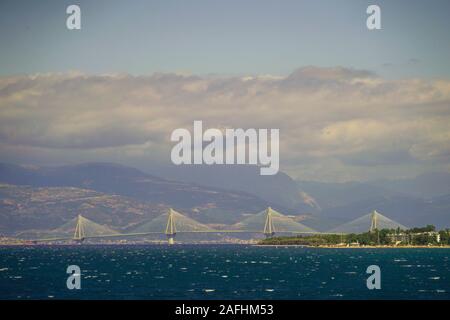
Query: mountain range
point(118, 196)
point(418, 201)
point(34, 197)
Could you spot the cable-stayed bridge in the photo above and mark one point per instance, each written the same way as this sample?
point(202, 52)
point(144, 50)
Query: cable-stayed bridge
point(267, 222)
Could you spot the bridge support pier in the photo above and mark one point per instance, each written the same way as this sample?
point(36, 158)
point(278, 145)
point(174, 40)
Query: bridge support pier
point(374, 221)
point(79, 234)
point(170, 228)
point(269, 230)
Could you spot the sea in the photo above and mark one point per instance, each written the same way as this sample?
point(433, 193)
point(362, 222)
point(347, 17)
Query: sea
point(184, 271)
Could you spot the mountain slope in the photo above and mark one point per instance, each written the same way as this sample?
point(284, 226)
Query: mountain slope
point(24, 207)
point(407, 210)
point(215, 204)
point(279, 189)
point(427, 185)
point(329, 195)
point(412, 202)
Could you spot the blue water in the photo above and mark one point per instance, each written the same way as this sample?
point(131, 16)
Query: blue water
point(222, 272)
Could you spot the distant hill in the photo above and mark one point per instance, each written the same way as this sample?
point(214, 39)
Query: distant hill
point(280, 189)
point(215, 205)
point(330, 195)
point(123, 198)
point(427, 185)
point(406, 210)
point(32, 208)
point(414, 202)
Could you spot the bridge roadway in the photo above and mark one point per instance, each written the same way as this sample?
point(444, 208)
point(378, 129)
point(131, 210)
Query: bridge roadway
point(171, 230)
point(118, 235)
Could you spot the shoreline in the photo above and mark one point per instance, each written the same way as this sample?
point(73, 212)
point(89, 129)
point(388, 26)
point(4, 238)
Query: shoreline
point(353, 247)
point(225, 244)
point(119, 244)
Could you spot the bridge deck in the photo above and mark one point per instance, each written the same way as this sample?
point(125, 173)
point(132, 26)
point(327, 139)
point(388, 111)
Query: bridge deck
point(83, 224)
point(115, 235)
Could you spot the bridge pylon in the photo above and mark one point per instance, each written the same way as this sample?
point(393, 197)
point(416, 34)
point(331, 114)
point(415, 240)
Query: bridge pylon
point(171, 230)
point(374, 221)
point(79, 234)
point(269, 230)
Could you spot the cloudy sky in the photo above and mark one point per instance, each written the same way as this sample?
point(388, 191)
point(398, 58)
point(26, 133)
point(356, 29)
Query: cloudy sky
point(351, 104)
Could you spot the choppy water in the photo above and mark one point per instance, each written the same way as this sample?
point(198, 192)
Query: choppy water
point(222, 272)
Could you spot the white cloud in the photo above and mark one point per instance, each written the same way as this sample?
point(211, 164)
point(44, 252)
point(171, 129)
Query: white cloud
point(335, 122)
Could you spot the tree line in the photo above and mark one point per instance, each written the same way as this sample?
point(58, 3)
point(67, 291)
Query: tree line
point(414, 236)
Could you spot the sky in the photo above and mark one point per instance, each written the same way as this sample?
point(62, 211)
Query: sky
point(225, 37)
point(351, 104)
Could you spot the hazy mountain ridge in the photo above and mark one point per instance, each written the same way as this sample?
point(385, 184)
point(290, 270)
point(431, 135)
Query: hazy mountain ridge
point(426, 185)
point(123, 198)
point(70, 190)
point(24, 208)
point(331, 195)
point(279, 189)
point(413, 202)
